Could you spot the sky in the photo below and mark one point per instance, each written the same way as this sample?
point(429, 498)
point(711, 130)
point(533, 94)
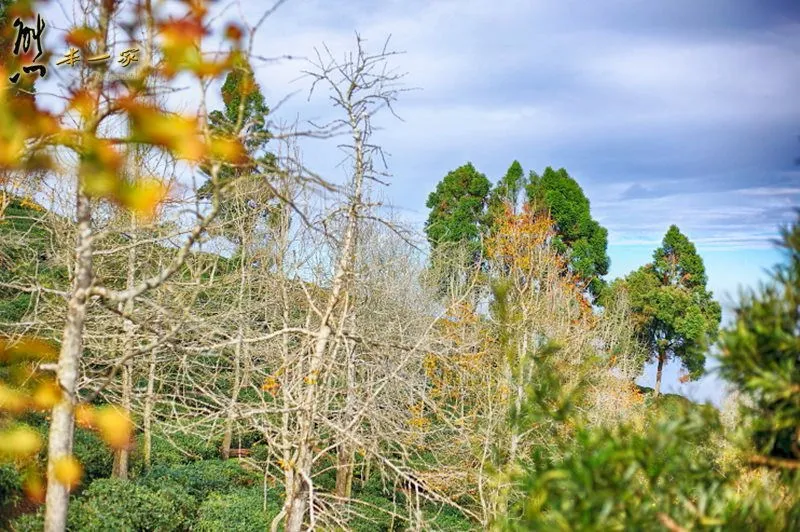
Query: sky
point(666, 112)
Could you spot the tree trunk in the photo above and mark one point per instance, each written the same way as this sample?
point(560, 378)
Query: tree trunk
point(237, 384)
point(237, 356)
point(120, 467)
point(149, 402)
point(346, 454)
point(298, 499)
point(661, 358)
point(61, 424)
point(297, 504)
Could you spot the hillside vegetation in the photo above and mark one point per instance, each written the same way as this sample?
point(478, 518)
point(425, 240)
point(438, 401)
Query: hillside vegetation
point(198, 332)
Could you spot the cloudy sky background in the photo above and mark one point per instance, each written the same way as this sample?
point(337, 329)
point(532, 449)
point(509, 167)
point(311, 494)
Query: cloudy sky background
point(668, 111)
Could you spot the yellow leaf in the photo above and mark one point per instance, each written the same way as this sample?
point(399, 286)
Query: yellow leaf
point(270, 384)
point(20, 442)
point(179, 134)
point(26, 348)
point(68, 471)
point(12, 400)
point(115, 426)
point(47, 394)
point(144, 197)
point(84, 102)
point(229, 150)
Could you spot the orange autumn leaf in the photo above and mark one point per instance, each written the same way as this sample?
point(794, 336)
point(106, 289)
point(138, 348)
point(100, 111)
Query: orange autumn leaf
point(210, 69)
point(233, 32)
point(81, 36)
point(180, 44)
point(197, 8)
point(68, 471)
point(115, 426)
point(180, 33)
point(84, 102)
point(179, 134)
point(12, 145)
point(270, 385)
point(21, 9)
point(34, 488)
point(84, 416)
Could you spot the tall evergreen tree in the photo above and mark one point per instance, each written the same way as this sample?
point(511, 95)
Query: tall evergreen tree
point(580, 238)
point(506, 192)
point(676, 316)
point(458, 207)
point(244, 115)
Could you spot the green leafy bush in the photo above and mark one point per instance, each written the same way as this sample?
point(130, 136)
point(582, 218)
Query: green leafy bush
point(375, 514)
point(203, 477)
point(10, 489)
point(33, 522)
point(10, 485)
point(94, 455)
point(113, 504)
point(241, 510)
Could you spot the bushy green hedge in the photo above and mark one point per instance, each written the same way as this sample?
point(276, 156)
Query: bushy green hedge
point(113, 504)
point(93, 454)
point(241, 510)
point(178, 449)
point(29, 522)
point(203, 477)
point(10, 489)
point(10, 484)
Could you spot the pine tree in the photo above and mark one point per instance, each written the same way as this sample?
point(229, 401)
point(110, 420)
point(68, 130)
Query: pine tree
point(675, 314)
point(580, 238)
point(458, 207)
point(245, 115)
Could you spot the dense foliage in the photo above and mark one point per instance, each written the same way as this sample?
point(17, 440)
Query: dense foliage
point(580, 238)
point(457, 209)
point(676, 315)
point(761, 358)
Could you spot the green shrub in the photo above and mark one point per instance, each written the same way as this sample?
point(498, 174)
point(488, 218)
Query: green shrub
point(10, 490)
point(33, 522)
point(374, 514)
point(93, 454)
point(10, 485)
point(181, 502)
point(203, 477)
point(13, 308)
point(448, 519)
point(241, 510)
point(113, 504)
